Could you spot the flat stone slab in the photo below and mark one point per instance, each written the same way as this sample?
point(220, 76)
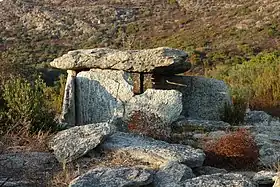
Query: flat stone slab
point(113, 177)
point(161, 60)
point(188, 125)
point(155, 152)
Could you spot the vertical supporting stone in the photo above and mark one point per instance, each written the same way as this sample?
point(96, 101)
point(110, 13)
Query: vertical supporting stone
point(136, 83)
point(68, 115)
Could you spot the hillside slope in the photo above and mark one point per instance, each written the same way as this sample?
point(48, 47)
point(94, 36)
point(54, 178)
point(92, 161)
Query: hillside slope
point(34, 32)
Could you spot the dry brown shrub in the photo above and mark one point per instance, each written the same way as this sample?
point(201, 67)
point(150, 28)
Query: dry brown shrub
point(149, 125)
point(236, 150)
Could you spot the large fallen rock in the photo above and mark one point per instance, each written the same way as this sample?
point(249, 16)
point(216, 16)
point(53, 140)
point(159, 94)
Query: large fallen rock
point(153, 151)
point(100, 95)
point(220, 180)
point(158, 60)
point(75, 142)
point(161, 106)
point(113, 177)
point(172, 175)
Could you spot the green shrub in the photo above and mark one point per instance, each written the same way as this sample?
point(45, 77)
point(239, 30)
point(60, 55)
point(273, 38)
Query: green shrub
point(258, 77)
point(234, 114)
point(25, 107)
point(54, 95)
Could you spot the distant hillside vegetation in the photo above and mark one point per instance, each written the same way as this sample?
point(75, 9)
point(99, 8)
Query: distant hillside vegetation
point(37, 31)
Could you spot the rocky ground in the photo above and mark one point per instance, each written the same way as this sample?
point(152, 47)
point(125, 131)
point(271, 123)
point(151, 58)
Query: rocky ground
point(98, 155)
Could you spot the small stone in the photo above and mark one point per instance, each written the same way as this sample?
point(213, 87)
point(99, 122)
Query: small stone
point(172, 174)
point(208, 170)
point(113, 177)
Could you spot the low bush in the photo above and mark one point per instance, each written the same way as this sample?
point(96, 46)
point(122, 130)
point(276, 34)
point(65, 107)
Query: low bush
point(234, 114)
point(236, 150)
point(26, 107)
point(148, 125)
point(258, 77)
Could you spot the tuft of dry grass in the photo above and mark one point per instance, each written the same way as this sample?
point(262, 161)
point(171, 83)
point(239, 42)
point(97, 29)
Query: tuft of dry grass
point(24, 141)
point(93, 160)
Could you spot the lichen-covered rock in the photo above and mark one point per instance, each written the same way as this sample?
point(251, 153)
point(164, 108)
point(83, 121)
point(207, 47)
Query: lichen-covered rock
point(75, 142)
point(113, 177)
point(153, 151)
point(172, 175)
point(158, 60)
point(68, 115)
point(165, 105)
point(253, 117)
point(100, 95)
point(220, 180)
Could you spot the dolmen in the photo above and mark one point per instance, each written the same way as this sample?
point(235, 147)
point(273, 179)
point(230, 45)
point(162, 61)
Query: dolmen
point(105, 84)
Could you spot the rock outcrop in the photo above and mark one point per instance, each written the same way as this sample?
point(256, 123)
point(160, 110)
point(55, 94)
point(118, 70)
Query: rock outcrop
point(152, 151)
point(113, 177)
point(159, 60)
point(75, 142)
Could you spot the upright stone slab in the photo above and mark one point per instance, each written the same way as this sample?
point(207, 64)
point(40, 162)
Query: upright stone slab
point(68, 115)
point(100, 95)
point(203, 98)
